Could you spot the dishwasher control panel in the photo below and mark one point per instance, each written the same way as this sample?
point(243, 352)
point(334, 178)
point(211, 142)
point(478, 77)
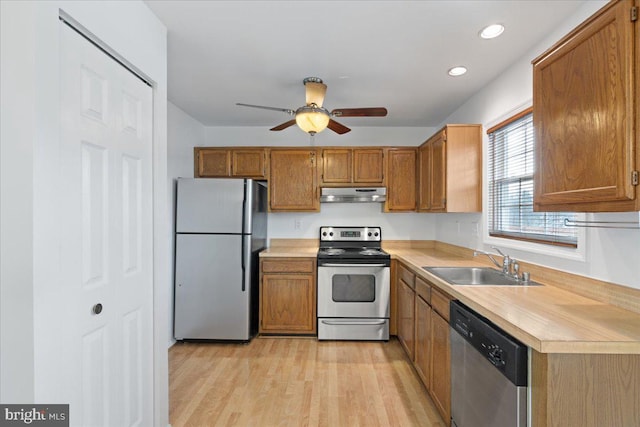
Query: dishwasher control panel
point(502, 350)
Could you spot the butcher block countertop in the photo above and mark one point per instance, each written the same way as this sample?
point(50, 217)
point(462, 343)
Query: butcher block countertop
point(291, 248)
point(563, 316)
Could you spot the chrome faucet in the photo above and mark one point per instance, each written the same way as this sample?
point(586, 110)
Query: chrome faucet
point(510, 266)
point(493, 260)
point(508, 263)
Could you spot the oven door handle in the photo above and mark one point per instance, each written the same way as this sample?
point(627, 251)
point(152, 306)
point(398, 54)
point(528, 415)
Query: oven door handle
point(342, 323)
point(352, 265)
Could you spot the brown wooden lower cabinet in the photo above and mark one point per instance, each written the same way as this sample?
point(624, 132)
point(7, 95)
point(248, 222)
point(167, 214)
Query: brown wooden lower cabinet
point(423, 330)
point(288, 296)
point(440, 385)
point(406, 317)
point(423, 340)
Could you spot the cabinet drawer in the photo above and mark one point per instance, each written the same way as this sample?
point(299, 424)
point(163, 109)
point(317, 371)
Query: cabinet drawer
point(440, 303)
point(406, 276)
point(288, 266)
point(423, 289)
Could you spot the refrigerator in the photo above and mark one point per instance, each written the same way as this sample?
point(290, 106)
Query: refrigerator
point(221, 227)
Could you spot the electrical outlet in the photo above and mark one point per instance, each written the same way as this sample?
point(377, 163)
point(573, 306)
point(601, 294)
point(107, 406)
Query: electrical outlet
point(297, 224)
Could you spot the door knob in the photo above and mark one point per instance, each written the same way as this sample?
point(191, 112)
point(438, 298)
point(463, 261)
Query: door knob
point(97, 309)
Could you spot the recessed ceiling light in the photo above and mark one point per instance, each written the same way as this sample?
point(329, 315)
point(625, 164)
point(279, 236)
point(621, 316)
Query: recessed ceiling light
point(491, 31)
point(457, 71)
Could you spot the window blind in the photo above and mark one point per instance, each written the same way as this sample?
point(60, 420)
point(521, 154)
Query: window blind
point(511, 166)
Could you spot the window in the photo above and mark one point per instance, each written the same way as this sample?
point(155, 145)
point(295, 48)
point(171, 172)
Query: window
point(511, 166)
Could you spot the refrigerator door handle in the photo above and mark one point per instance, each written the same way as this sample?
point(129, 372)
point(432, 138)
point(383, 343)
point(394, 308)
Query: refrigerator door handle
point(244, 270)
point(242, 248)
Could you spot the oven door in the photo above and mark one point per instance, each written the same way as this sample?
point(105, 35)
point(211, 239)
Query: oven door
point(353, 290)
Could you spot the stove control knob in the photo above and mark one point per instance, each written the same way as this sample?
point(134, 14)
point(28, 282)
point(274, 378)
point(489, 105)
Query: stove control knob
point(375, 234)
point(331, 234)
point(324, 233)
point(369, 234)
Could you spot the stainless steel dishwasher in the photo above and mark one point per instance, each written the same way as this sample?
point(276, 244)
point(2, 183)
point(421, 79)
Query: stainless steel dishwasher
point(488, 373)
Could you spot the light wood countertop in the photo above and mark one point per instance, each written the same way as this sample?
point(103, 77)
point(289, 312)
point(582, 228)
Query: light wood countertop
point(289, 252)
point(291, 248)
point(547, 318)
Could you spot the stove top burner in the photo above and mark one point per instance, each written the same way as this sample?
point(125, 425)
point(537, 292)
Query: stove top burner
point(333, 251)
point(372, 252)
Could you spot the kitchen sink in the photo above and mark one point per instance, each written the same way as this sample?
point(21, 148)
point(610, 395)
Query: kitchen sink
point(476, 276)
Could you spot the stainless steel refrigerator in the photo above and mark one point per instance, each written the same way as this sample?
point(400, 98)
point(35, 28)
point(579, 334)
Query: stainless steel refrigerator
point(221, 227)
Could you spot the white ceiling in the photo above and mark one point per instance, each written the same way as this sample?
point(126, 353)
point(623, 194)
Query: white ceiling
point(392, 54)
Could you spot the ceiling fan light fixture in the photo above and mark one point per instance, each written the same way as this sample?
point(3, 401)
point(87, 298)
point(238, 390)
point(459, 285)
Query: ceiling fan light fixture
point(312, 119)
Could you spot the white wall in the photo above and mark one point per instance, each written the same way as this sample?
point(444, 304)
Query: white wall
point(184, 132)
point(611, 255)
point(260, 135)
point(395, 226)
point(17, 71)
point(30, 128)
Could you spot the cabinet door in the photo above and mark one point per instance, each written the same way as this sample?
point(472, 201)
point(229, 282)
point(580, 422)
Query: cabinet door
point(287, 304)
point(440, 388)
point(336, 166)
point(424, 177)
point(423, 341)
point(583, 112)
point(406, 317)
point(401, 180)
point(213, 162)
point(368, 166)
point(248, 163)
point(293, 184)
point(438, 173)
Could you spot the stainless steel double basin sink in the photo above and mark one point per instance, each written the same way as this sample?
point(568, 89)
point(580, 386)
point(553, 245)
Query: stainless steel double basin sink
point(476, 276)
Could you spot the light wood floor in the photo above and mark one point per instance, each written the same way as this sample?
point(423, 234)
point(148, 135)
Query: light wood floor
point(296, 382)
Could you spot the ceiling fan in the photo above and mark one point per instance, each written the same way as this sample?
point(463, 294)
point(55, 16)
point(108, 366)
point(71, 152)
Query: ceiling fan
point(313, 117)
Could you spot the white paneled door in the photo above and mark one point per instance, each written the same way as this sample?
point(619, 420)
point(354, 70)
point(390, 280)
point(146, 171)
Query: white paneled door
point(106, 244)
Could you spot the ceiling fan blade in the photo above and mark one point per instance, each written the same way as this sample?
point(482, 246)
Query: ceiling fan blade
point(337, 127)
point(360, 112)
point(285, 110)
point(284, 125)
point(315, 93)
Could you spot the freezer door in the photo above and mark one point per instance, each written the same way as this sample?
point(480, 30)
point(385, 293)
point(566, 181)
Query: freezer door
point(210, 205)
point(210, 302)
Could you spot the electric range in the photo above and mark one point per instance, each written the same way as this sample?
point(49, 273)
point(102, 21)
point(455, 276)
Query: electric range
point(354, 284)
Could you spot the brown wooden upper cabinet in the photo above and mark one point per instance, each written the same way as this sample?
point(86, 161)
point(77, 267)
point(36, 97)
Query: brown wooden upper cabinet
point(230, 162)
point(450, 170)
point(586, 115)
point(293, 180)
point(348, 166)
point(401, 180)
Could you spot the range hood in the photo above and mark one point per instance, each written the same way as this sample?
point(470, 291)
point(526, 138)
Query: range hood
point(354, 195)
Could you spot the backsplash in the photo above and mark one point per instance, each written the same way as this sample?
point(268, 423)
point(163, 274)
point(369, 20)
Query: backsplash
point(395, 226)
